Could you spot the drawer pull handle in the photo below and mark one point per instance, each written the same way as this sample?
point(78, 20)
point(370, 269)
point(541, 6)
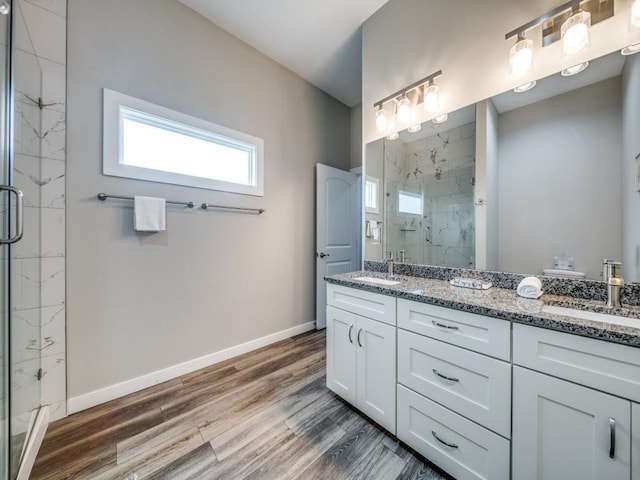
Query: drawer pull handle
point(442, 325)
point(350, 329)
point(449, 379)
point(612, 443)
point(450, 445)
point(359, 332)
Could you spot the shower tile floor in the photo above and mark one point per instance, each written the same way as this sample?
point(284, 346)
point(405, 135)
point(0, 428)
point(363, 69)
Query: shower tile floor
point(264, 415)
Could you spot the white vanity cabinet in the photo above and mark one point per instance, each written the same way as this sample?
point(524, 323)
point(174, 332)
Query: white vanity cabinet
point(572, 407)
point(361, 351)
point(454, 389)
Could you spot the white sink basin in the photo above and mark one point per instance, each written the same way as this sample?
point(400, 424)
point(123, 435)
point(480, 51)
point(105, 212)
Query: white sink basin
point(379, 281)
point(593, 316)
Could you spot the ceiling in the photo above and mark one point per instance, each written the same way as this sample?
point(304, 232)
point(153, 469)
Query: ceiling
point(319, 41)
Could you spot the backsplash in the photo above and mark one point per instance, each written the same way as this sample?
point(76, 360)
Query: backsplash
point(586, 289)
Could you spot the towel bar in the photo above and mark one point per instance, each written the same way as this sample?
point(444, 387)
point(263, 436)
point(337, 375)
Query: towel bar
point(259, 211)
point(104, 196)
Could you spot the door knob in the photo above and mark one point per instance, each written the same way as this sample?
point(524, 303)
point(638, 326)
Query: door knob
point(322, 255)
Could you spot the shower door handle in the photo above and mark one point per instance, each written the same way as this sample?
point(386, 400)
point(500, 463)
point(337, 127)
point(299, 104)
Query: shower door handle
point(19, 214)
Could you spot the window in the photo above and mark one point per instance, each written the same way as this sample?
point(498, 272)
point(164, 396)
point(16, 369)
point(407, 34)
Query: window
point(410, 203)
point(371, 195)
point(149, 142)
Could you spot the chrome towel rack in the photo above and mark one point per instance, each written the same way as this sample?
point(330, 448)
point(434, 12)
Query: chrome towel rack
point(259, 211)
point(104, 196)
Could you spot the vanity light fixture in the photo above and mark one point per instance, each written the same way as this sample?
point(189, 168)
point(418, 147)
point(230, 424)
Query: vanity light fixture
point(569, 22)
point(440, 119)
point(575, 32)
point(5, 8)
point(521, 56)
point(631, 49)
point(393, 136)
point(414, 128)
point(382, 120)
point(576, 69)
point(525, 87)
point(423, 91)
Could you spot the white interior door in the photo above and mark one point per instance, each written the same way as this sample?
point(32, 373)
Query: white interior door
point(337, 230)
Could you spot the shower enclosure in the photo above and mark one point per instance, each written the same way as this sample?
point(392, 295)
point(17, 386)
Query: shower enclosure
point(23, 420)
point(428, 198)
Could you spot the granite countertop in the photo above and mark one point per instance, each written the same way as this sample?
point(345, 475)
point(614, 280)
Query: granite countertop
point(502, 303)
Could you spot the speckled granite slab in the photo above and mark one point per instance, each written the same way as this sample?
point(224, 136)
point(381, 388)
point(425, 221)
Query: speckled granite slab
point(500, 302)
point(568, 287)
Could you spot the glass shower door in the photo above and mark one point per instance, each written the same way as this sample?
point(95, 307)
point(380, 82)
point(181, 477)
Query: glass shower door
point(5, 176)
point(20, 270)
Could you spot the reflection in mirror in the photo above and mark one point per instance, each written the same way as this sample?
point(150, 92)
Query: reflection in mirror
point(545, 186)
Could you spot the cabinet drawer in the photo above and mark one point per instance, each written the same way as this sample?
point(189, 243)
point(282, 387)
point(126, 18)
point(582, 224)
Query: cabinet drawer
point(368, 304)
point(487, 335)
point(609, 367)
point(468, 383)
point(473, 452)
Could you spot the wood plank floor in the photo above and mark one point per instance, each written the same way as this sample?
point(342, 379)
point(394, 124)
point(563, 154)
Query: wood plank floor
point(265, 415)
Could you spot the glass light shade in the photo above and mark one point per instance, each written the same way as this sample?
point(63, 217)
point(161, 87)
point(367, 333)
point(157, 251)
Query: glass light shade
point(393, 136)
point(5, 8)
point(635, 14)
point(404, 110)
point(575, 33)
point(432, 99)
point(414, 128)
point(574, 70)
point(521, 57)
point(382, 121)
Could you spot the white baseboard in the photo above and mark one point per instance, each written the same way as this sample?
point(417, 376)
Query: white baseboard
point(91, 399)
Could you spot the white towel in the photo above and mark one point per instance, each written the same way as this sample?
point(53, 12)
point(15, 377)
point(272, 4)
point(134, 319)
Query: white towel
point(371, 224)
point(530, 287)
point(149, 214)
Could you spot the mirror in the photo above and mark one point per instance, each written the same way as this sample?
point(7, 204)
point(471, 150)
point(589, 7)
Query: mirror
point(527, 182)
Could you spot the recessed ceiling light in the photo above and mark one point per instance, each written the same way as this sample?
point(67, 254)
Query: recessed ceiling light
point(631, 49)
point(440, 118)
point(414, 128)
point(574, 70)
point(393, 136)
point(525, 87)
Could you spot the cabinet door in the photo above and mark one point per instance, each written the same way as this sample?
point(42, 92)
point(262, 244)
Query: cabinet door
point(635, 441)
point(377, 371)
point(563, 431)
point(341, 353)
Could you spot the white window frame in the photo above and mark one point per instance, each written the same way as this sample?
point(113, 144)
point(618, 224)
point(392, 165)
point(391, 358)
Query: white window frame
point(414, 196)
point(112, 161)
point(375, 193)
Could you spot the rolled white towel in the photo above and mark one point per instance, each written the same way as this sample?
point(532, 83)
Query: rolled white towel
point(530, 287)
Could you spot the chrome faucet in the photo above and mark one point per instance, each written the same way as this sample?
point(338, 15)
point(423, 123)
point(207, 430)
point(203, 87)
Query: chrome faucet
point(612, 275)
point(389, 262)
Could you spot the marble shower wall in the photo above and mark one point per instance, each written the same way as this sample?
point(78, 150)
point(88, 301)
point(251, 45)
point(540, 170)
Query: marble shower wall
point(440, 168)
point(39, 171)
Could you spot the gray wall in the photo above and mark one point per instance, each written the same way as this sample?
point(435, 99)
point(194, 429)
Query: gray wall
point(356, 136)
point(559, 181)
point(630, 149)
point(139, 303)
